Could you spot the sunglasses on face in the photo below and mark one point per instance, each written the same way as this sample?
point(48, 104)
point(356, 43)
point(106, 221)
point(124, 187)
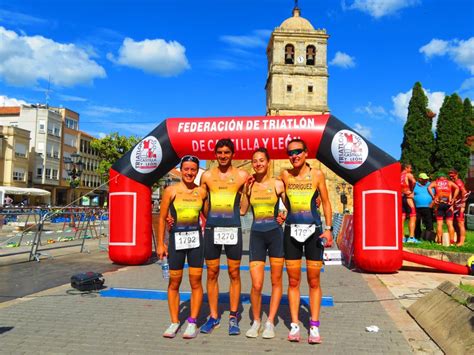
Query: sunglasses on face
point(294, 152)
point(190, 158)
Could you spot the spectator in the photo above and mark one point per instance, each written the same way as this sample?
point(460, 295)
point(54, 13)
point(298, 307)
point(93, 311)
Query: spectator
point(446, 192)
point(459, 206)
point(408, 206)
point(8, 201)
point(424, 210)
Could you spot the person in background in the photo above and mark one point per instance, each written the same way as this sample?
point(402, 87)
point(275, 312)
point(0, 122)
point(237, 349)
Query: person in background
point(304, 234)
point(263, 193)
point(445, 192)
point(184, 201)
point(408, 205)
point(8, 201)
point(459, 206)
point(424, 211)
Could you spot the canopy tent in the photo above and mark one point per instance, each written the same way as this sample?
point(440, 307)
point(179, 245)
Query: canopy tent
point(24, 191)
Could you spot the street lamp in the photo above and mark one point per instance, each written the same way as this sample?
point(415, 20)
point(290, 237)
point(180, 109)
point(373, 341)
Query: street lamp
point(341, 191)
point(74, 167)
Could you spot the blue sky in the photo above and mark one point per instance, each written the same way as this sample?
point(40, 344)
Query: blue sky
point(124, 66)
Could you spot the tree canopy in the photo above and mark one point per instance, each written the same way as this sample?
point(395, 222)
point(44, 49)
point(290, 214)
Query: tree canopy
point(110, 149)
point(418, 143)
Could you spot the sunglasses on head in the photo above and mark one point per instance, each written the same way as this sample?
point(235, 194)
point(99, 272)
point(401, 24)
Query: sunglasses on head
point(294, 152)
point(190, 158)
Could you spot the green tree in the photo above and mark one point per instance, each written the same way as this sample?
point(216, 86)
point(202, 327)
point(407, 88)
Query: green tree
point(418, 144)
point(451, 149)
point(110, 149)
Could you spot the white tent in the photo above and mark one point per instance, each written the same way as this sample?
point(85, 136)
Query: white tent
point(24, 191)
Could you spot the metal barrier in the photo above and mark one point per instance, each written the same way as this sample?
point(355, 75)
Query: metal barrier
point(35, 231)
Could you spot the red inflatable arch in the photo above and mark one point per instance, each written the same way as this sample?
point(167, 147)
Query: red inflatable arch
point(374, 174)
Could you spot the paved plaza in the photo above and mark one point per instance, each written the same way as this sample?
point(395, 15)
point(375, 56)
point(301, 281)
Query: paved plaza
point(61, 320)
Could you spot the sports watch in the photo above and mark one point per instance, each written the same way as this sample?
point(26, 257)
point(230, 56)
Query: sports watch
point(329, 228)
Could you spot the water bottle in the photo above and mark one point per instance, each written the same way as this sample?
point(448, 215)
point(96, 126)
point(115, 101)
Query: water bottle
point(165, 268)
point(323, 241)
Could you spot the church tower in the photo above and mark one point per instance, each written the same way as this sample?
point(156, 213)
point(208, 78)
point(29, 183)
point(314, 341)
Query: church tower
point(297, 84)
point(297, 81)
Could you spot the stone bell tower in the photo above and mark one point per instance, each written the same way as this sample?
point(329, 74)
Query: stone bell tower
point(297, 81)
point(297, 84)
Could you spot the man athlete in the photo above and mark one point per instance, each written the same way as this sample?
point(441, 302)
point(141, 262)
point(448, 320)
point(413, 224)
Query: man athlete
point(224, 184)
point(446, 192)
point(459, 206)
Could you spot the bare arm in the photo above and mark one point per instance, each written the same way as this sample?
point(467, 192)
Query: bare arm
point(164, 208)
point(323, 192)
point(456, 190)
point(205, 187)
point(430, 189)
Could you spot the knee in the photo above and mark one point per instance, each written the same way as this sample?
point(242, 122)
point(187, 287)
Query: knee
point(314, 282)
point(195, 284)
point(293, 282)
point(234, 274)
point(257, 287)
point(174, 285)
point(276, 281)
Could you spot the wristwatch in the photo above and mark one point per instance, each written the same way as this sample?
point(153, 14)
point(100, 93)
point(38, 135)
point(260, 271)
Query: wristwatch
point(329, 228)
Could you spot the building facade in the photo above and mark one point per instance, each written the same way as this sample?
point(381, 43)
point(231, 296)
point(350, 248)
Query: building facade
point(14, 156)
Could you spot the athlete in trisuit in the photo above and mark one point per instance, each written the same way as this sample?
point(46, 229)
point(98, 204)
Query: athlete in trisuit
point(408, 182)
point(303, 232)
point(459, 206)
point(224, 184)
point(263, 193)
point(446, 192)
point(184, 201)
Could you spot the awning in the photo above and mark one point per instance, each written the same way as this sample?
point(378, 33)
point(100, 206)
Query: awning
point(30, 191)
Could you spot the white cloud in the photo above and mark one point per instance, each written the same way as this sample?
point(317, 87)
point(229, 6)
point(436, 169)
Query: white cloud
point(343, 60)
point(99, 111)
point(223, 64)
point(154, 56)
point(401, 101)
point(379, 8)
point(363, 130)
point(10, 101)
point(71, 98)
point(18, 18)
point(371, 110)
point(467, 88)
point(461, 52)
point(26, 59)
point(258, 39)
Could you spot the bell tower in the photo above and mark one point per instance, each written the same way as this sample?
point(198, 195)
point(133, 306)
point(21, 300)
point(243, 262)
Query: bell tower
point(297, 81)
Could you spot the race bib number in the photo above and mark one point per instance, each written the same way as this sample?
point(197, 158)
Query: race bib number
point(186, 240)
point(225, 236)
point(301, 232)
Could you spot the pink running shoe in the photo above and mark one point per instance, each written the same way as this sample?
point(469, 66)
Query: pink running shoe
point(314, 337)
point(294, 334)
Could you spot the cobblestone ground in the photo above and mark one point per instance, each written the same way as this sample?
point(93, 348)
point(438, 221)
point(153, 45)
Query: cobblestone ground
point(61, 321)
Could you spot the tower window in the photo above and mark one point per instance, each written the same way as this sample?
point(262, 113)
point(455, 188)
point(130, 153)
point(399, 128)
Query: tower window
point(310, 88)
point(289, 54)
point(310, 55)
point(289, 88)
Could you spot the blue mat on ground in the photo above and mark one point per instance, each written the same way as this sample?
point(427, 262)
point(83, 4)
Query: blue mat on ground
point(162, 295)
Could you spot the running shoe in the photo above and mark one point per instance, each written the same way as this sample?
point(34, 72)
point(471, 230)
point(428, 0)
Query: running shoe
point(314, 337)
point(413, 240)
point(269, 331)
point(171, 331)
point(191, 331)
point(294, 334)
point(405, 239)
point(254, 330)
point(234, 328)
point(210, 325)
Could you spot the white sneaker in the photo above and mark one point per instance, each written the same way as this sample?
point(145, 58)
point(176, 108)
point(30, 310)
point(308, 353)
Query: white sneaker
point(294, 334)
point(171, 331)
point(191, 331)
point(314, 337)
point(254, 330)
point(269, 331)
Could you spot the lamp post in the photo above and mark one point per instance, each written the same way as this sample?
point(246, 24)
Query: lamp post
point(74, 167)
point(341, 191)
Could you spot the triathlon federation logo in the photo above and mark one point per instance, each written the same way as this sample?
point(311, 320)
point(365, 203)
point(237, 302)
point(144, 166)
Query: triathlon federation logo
point(349, 149)
point(147, 155)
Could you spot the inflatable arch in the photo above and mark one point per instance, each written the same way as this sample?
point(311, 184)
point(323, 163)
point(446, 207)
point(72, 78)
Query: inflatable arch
point(374, 174)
